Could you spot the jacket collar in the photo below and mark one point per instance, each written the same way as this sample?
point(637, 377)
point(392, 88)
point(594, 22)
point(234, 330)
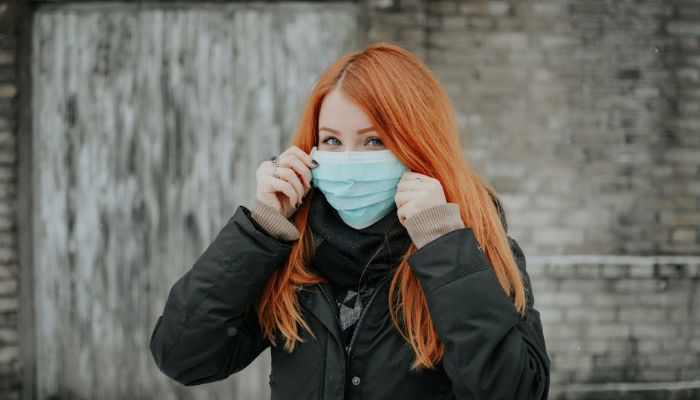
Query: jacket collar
point(318, 300)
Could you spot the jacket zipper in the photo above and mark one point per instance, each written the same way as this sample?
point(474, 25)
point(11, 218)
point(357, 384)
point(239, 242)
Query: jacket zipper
point(348, 348)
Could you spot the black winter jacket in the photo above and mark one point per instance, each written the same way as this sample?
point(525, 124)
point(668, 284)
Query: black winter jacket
point(208, 329)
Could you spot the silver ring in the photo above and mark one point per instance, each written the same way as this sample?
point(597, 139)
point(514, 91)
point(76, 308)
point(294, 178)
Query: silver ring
point(275, 161)
point(415, 181)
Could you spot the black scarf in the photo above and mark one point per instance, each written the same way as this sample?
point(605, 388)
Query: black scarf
point(342, 252)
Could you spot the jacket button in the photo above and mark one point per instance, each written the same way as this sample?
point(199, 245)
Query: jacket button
point(355, 380)
point(231, 331)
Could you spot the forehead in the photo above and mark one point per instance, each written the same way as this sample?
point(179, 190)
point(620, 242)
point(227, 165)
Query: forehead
point(339, 112)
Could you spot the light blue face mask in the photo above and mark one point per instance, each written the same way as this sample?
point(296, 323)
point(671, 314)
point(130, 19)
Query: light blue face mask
point(360, 185)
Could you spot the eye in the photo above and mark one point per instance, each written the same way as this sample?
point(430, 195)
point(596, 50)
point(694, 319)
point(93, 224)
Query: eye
point(375, 141)
point(329, 138)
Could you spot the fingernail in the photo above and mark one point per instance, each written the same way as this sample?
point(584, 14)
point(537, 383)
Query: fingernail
point(314, 161)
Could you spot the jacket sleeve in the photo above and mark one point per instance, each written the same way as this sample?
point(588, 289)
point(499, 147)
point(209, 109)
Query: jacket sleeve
point(209, 329)
point(490, 352)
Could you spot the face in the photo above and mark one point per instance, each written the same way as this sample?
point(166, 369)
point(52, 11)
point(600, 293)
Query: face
point(343, 126)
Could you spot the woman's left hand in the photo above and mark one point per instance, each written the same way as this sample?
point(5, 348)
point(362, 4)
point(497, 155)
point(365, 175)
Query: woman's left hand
point(415, 195)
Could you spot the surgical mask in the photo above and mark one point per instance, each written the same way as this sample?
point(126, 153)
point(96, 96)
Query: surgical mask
point(360, 185)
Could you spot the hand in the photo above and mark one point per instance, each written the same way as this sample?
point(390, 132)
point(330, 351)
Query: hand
point(286, 191)
point(413, 196)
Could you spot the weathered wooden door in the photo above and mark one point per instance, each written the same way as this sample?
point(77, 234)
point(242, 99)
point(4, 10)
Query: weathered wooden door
point(148, 122)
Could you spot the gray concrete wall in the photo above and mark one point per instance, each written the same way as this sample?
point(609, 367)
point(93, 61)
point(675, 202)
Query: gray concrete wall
point(148, 123)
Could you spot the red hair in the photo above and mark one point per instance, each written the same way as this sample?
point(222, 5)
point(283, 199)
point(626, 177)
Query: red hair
point(414, 118)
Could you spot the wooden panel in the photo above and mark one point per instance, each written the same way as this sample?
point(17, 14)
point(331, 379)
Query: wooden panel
point(148, 124)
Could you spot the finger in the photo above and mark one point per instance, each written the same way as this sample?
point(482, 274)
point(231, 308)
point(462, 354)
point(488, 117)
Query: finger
point(290, 203)
point(290, 176)
point(402, 198)
point(411, 184)
point(401, 213)
point(413, 175)
point(408, 185)
point(306, 158)
point(405, 182)
point(264, 167)
point(410, 176)
point(407, 210)
point(404, 185)
point(301, 169)
point(285, 160)
point(285, 187)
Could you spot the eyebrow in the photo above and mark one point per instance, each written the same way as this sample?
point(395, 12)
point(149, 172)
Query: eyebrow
point(360, 131)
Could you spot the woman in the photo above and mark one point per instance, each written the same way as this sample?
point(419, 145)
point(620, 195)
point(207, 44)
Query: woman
point(373, 260)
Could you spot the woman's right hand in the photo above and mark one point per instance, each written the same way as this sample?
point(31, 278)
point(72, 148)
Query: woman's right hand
point(285, 192)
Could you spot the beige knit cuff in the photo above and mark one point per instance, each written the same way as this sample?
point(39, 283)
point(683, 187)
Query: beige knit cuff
point(273, 221)
point(433, 222)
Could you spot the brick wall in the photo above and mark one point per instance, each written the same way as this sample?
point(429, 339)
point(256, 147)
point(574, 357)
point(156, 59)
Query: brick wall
point(9, 298)
point(678, 149)
point(619, 319)
point(584, 115)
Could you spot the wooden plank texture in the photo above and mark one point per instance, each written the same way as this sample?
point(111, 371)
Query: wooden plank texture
point(148, 122)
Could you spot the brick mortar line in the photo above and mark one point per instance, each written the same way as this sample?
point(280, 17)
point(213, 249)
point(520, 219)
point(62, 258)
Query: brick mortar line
point(630, 386)
point(603, 259)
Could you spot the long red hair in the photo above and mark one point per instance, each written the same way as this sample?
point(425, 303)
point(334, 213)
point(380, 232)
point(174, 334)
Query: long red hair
point(414, 118)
